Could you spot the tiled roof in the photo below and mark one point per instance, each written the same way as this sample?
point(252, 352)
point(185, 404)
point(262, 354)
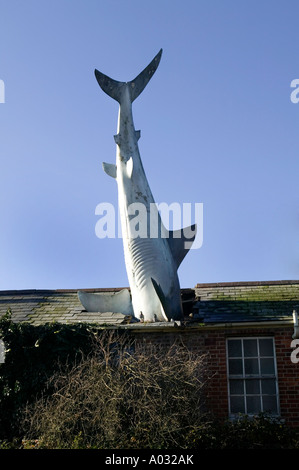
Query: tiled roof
point(63, 306)
point(246, 301)
point(207, 303)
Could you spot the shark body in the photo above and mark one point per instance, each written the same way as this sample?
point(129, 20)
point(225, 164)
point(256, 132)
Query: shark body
point(151, 261)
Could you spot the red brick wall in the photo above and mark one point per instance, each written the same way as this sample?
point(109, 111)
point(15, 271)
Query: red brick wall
point(213, 343)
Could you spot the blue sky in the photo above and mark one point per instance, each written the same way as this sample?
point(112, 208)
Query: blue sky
point(217, 127)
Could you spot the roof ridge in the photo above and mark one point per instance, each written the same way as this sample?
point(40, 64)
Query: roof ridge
point(246, 283)
point(116, 289)
point(60, 291)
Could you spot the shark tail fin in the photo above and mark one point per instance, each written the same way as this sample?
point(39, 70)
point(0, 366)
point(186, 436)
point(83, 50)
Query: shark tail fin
point(139, 83)
point(114, 89)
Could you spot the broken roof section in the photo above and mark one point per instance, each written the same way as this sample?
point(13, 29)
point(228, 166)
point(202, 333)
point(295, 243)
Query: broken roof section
point(206, 304)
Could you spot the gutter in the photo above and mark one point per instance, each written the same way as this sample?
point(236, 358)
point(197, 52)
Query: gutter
point(177, 325)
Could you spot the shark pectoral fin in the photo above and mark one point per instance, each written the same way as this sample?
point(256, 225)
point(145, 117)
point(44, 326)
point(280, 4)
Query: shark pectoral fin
point(110, 169)
point(162, 299)
point(137, 134)
point(180, 242)
point(117, 302)
point(130, 167)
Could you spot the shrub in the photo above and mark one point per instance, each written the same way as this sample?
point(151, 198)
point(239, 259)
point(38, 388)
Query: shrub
point(124, 395)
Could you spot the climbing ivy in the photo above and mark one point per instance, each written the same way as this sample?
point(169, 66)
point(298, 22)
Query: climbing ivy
point(32, 354)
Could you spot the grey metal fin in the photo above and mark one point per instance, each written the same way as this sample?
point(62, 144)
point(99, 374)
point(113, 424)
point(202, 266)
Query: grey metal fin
point(139, 83)
point(112, 87)
point(115, 88)
point(178, 240)
point(162, 299)
point(110, 169)
point(116, 302)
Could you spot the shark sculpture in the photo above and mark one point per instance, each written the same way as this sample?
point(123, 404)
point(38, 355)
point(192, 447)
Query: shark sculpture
point(151, 260)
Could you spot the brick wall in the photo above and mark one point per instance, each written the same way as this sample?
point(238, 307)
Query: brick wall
point(213, 343)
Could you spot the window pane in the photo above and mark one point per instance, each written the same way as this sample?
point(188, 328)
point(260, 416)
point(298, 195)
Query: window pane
point(252, 387)
point(235, 367)
point(251, 366)
point(266, 347)
point(250, 347)
point(236, 387)
point(237, 405)
point(253, 404)
point(269, 404)
point(267, 366)
point(234, 348)
point(268, 387)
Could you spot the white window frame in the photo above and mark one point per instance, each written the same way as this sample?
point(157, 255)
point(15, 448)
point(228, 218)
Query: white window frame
point(258, 376)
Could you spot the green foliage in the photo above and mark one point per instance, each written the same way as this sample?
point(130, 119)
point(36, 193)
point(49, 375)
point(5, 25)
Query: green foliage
point(32, 355)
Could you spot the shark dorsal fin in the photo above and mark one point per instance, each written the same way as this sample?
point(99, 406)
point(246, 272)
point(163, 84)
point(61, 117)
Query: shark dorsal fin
point(180, 244)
